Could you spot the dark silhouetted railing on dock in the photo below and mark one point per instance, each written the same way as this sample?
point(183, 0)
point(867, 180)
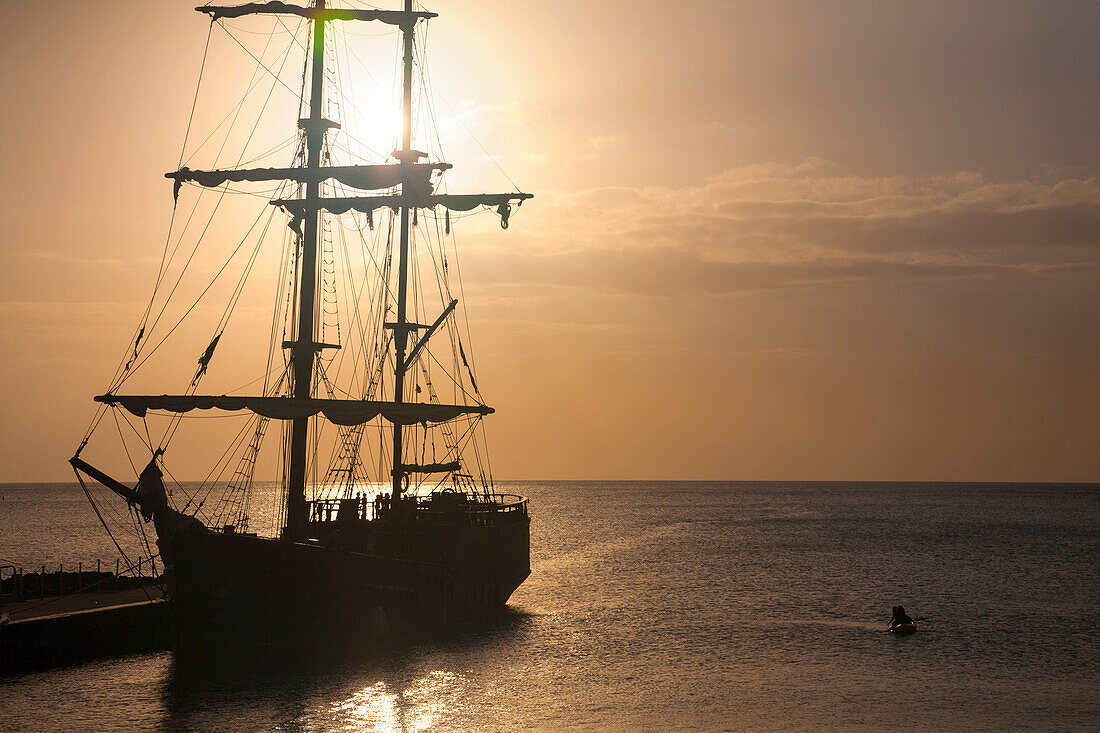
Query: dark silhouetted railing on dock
point(18, 585)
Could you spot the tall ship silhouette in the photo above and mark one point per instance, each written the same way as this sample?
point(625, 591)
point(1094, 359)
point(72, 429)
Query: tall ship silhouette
point(386, 520)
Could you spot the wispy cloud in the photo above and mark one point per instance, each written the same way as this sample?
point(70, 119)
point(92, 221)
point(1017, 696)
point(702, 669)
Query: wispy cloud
point(479, 118)
point(598, 142)
point(516, 157)
point(36, 254)
point(779, 226)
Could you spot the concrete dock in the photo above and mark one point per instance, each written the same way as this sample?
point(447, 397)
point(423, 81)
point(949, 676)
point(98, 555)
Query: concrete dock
point(68, 629)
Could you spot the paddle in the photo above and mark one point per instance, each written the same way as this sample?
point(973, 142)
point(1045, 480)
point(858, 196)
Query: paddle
point(893, 626)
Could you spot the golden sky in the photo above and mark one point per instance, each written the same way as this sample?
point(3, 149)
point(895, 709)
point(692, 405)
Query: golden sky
point(770, 240)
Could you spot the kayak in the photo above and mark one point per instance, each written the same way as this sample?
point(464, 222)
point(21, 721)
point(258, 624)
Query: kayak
point(902, 629)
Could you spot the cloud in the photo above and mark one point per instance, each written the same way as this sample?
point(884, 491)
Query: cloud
point(663, 272)
point(517, 157)
point(480, 118)
point(606, 141)
point(773, 226)
point(38, 254)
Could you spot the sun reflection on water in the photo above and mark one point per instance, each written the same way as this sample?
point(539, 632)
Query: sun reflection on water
point(385, 708)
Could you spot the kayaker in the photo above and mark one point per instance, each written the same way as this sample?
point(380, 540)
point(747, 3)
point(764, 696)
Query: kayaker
point(899, 617)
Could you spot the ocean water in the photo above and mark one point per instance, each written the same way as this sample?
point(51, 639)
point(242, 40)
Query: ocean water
point(676, 606)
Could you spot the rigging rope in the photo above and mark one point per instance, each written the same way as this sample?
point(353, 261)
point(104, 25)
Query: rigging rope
point(195, 99)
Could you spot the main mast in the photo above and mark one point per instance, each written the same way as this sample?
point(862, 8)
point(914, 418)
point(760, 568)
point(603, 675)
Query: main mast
point(304, 349)
point(401, 329)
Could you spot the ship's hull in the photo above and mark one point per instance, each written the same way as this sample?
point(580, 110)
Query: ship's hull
point(250, 599)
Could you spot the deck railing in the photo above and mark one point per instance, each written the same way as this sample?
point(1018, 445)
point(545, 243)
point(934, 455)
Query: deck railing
point(478, 507)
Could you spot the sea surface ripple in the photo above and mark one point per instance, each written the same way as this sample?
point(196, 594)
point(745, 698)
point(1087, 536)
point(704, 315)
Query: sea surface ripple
point(675, 606)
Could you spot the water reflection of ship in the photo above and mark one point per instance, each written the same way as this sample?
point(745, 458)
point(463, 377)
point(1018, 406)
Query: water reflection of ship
point(403, 689)
point(354, 559)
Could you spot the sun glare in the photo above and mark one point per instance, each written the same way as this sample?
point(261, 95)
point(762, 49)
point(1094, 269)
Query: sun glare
point(371, 121)
point(369, 104)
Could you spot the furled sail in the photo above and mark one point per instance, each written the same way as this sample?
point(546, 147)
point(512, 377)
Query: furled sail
point(415, 176)
point(430, 467)
point(393, 17)
point(339, 412)
point(367, 204)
